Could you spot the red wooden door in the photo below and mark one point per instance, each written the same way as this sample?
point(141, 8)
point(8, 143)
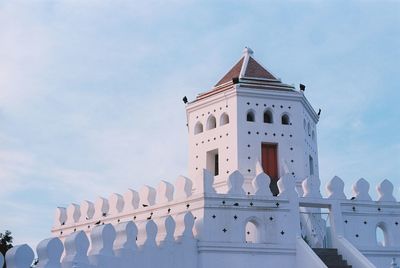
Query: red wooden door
point(269, 159)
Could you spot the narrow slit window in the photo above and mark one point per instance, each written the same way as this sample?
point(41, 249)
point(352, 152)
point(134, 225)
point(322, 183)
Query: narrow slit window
point(212, 164)
point(311, 163)
point(216, 165)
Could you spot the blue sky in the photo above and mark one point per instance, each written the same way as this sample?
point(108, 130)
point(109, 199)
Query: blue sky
point(90, 91)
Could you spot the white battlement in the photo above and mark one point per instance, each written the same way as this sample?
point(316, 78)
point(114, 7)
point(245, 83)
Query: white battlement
point(197, 221)
point(114, 246)
point(168, 200)
point(137, 204)
point(225, 217)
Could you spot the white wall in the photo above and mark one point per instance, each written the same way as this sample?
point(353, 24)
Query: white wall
point(239, 142)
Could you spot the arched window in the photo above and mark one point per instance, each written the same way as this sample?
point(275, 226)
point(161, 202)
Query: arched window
point(285, 119)
point(309, 129)
point(253, 232)
point(382, 238)
point(224, 119)
point(211, 122)
point(250, 116)
point(313, 135)
point(268, 117)
point(304, 124)
point(198, 128)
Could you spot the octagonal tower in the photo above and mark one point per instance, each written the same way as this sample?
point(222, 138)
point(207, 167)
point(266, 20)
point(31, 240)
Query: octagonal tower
point(251, 117)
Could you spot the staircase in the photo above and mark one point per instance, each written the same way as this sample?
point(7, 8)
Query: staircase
point(331, 257)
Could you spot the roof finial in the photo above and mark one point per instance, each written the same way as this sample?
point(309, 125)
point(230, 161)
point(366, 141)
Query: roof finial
point(248, 51)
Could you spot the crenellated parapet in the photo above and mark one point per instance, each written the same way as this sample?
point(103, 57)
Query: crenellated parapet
point(114, 246)
point(240, 220)
point(370, 226)
point(146, 204)
point(226, 215)
point(362, 216)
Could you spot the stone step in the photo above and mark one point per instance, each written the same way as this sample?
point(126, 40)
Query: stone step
point(331, 257)
point(326, 251)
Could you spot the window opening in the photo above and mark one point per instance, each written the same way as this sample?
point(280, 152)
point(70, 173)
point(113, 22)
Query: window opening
point(268, 117)
point(250, 116)
point(211, 122)
point(212, 164)
point(311, 164)
point(381, 235)
point(198, 128)
point(224, 119)
point(285, 119)
point(252, 232)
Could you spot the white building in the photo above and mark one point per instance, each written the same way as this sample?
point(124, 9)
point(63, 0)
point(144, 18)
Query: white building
point(252, 198)
point(251, 116)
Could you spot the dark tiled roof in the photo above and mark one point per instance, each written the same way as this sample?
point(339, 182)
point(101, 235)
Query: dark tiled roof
point(253, 76)
point(254, 69)
point(234, 72)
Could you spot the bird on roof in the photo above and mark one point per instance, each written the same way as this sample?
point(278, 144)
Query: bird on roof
point(185, 100)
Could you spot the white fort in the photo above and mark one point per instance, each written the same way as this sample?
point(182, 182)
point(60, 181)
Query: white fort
point(251, 199)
